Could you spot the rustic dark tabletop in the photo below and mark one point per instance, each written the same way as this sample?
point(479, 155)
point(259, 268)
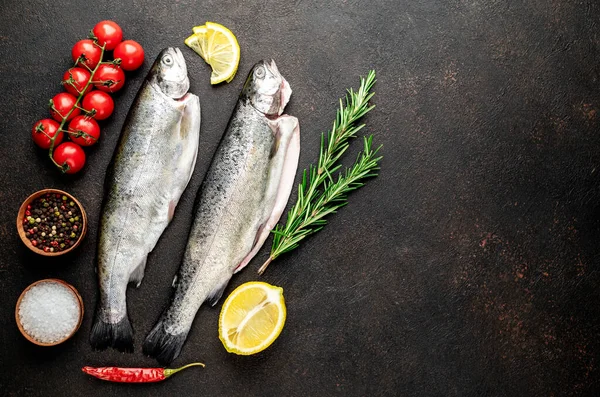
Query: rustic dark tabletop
point(469, 267)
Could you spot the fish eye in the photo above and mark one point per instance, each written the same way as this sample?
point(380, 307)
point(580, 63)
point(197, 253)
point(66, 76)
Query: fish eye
point(167, 60)
point(260, 72)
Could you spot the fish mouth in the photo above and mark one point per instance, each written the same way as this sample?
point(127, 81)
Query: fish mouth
point(285, 91)
point(180, 58)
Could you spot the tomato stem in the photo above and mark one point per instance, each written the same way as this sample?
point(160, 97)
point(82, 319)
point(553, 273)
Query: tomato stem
point(81, 61)
point(80, 134)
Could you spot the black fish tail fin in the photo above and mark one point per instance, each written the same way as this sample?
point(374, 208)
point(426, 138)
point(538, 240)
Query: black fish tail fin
point(118, 335)
point(163, 346)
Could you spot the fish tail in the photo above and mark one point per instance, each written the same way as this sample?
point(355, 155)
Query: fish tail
point(162, 345)
point(118, 335)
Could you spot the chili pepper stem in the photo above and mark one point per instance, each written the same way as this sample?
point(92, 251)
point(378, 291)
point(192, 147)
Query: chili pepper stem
point(170, 371)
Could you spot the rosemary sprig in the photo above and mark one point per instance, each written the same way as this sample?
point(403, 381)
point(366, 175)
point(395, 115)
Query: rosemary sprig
point(319, 194)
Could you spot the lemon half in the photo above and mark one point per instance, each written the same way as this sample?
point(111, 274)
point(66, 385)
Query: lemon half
point(252, 318)
point(219, 47)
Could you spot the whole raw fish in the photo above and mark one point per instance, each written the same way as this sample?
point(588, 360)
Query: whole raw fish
point(241, 199)
point(151, 168)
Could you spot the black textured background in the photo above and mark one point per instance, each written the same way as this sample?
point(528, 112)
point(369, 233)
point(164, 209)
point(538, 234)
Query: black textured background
point(468, 268)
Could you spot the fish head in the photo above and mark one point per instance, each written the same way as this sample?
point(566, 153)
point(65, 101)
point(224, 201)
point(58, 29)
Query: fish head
point(266, 89)
point(169, 73)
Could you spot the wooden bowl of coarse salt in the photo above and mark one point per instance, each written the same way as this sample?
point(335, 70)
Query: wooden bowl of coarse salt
point(49, 312)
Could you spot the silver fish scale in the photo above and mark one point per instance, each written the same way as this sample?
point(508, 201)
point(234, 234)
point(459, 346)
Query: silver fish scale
point(150, 171)
point(229, 209)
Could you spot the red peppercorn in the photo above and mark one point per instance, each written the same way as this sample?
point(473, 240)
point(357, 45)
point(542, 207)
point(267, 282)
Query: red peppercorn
point(28, 213)
point(34, 242)
point(28, 206)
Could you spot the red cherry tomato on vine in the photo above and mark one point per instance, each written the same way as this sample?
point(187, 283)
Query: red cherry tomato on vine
point(109, 33)
point(90, 50)
point(80, 78)
point(131, 54)
point(101, 102)
point(71, 155)
point(109, 78)
point(61, 104)
point(43, 130)
point(84, 131)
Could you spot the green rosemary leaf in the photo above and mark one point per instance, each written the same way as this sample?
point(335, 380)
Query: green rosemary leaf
point(321, 194)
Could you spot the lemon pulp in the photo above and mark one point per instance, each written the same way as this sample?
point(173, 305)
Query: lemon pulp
point(252, 318)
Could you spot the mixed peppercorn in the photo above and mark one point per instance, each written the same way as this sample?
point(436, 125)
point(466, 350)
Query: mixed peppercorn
point(53, 222)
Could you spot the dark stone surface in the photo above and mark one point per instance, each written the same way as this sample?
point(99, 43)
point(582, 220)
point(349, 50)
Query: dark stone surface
point(469, 267)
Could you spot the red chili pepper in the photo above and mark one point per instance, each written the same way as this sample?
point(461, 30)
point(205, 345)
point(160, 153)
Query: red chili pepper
point(134, 375)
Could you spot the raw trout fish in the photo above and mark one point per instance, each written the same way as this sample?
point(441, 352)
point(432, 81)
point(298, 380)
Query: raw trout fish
point(241, 199)
point(151, 167)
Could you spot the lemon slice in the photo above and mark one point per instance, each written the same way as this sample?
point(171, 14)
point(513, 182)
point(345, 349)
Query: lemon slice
point(197, 41)
point(218, 46)
point(252, 318)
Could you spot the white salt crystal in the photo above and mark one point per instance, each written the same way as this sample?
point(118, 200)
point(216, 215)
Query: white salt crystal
point(49, 312)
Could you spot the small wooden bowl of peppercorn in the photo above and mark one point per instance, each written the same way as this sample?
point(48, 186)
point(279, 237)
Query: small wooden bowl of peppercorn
point(51, 222)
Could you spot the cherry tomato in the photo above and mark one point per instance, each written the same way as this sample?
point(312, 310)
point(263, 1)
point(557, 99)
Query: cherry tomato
point(84, 131)
point(71, 155)
point(80, 77)
point(131, 54)
point(90, 50)
point(109, 78)
point(101, 102)
point(63, 103)
point(43, 130)
point(109, 33)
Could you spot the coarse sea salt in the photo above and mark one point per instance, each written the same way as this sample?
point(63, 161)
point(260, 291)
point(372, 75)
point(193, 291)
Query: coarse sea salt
point(49, 312)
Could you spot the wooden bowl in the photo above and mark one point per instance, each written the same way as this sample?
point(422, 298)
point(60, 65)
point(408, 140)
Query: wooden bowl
point(21, 215)
point(25, 334)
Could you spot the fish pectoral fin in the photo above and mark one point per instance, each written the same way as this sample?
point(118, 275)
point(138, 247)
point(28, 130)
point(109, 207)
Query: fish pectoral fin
point(190, 119)
point(137, 275)
point(217, 293)
point(276, 127)
point(172, 205)
point(189, 131)
point(283, 128)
